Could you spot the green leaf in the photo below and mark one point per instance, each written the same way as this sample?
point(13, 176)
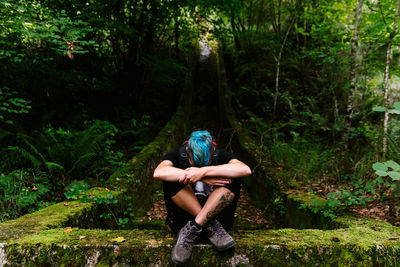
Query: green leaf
point(394, 111)
point(379, 109)
point(397, 105)
point(379, 166)
point(110, 195)
point(394, 165)
point(394, 175)
point(381, 173)
point(123, 221)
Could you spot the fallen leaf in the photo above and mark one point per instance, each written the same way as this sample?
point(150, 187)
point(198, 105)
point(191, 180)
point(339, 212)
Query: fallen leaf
point(70, 229)
point(82, 237)
point(34, 188)
point(154, 242)
point(119, 239)
point(66, 204)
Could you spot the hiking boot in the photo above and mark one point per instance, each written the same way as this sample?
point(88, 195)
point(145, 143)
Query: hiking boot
point(183, 247)
point(218, 236)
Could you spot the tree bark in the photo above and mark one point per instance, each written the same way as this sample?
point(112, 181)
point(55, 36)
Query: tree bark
point(386, 95)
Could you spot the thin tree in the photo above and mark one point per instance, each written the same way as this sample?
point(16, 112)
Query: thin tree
point(356, 59)
point(278, 66)
point(387, 74)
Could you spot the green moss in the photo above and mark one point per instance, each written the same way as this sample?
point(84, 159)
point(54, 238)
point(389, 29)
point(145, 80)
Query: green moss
point(366, 240)
point(94, 237)
point(51, 217)
point(363, 234)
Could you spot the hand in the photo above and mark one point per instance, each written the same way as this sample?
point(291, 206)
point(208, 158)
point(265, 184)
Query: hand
point(192, 175)
point(217, 181)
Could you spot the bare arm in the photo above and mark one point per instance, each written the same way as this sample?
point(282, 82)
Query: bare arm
point(167, 172)
point(233, 169)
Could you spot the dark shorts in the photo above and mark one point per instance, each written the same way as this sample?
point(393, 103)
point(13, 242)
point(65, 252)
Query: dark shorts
point(177, 217)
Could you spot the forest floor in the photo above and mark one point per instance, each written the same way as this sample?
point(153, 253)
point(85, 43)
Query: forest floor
point(382, 206)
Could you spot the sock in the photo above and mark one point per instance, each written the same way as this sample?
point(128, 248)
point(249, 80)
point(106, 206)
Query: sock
point(196, 224)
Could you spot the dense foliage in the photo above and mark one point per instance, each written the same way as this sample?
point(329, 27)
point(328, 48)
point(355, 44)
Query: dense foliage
point(83, 86)
point(319, 73)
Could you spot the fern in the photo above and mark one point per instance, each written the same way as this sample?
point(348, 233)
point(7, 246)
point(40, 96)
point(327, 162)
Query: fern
point(67, 153)
point(4, 134)
point(393, 146)
point(54, 166)
point(25, 155)
point(25, 140)
point(82, 160)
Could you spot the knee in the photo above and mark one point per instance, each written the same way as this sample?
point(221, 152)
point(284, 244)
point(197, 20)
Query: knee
point(229, 195)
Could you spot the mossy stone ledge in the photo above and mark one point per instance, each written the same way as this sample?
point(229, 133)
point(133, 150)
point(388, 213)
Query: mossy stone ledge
point(365, 242)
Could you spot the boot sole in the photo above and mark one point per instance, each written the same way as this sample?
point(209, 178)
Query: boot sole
point(227, 247)
point(177, 262)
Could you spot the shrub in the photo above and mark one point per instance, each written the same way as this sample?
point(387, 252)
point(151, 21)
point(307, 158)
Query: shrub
point(22, 192)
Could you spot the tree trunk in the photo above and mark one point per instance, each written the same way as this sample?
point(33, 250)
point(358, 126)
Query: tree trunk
point(176, 33)
point(356, 59)
point(386, 94)
point(386, 77)
point(356, 64)
point(278, 67)
point(235, 31)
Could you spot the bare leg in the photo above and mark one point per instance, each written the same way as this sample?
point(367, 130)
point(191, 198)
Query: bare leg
point(216, 202)
point(186, 200)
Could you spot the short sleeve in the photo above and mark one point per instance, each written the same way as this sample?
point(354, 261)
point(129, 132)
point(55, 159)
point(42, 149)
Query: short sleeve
point(224, 157)
point(172, 156)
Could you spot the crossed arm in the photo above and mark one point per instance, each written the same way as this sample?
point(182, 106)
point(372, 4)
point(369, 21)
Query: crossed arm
point(214, 175)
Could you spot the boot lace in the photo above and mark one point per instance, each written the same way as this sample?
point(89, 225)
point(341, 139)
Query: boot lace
point(188, 238)
point(218, 229)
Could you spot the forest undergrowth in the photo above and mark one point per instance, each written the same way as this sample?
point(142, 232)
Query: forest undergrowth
point(85, 85)
point(347, 180)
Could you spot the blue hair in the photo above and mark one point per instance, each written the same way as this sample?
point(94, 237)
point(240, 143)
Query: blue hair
point(200, 143)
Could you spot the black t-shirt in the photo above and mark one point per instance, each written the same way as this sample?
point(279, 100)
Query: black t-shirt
point(223, 158)
point(176, 217)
